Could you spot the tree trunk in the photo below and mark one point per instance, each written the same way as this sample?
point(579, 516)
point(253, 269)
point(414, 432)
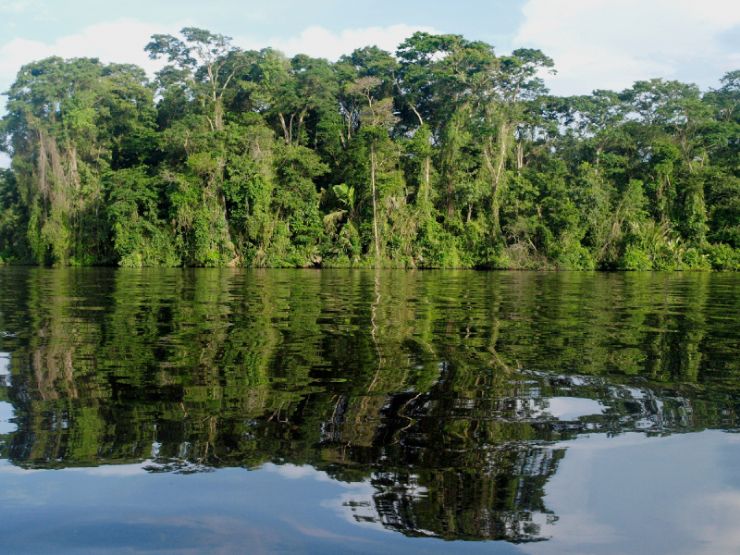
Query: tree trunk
point(450, 198)
point(376, 235)
point(427, 177)
point(74, 173)
point(423, 197)
point(218, 115)
point(286, 135)
point(519, 157)
point(42, 164)
point(497, 178)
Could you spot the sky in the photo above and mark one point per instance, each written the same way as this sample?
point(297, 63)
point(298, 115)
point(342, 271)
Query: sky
point(596, 44)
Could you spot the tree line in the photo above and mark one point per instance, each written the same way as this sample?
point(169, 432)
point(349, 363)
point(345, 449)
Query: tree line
point(443, 154)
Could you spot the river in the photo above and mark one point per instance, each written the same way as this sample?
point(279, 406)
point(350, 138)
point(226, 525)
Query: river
point(336, 411)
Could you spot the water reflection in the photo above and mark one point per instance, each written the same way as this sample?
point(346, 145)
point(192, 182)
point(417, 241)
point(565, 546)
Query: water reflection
point(453, 398)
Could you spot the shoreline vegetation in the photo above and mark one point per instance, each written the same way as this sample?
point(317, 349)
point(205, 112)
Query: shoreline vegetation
point(441, 155)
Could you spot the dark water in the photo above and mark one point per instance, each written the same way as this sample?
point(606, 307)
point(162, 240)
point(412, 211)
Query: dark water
point(394, 412)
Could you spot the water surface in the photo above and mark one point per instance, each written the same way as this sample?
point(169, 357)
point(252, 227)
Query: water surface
point(185, 411)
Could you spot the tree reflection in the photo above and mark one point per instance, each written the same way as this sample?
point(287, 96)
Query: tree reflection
point(439, 389)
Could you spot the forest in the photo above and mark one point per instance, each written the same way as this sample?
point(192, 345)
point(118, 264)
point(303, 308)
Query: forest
point(443, 154)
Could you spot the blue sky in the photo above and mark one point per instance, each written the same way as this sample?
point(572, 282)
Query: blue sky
point(265, 19)
point(595, 43)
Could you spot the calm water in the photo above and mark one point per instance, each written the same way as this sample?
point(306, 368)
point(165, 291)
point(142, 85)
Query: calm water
point(394, 412)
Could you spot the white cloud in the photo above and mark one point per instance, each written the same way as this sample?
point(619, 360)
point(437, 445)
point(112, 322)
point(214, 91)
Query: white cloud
point(124, 40)
point(716, 525)
point(296, 472)
point(15, 6)
point(320, 42)
point(612, 43)
point(113, 470)
point(117, 41)
point(292, 471)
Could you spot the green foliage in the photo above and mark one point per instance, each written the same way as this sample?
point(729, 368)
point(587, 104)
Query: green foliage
point(635, 259)
point(445, 155)
point(723, 257)
point(13, 246)
point(140, 237)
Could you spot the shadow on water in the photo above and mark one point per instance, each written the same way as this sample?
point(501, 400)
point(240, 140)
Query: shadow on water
point(451, 393)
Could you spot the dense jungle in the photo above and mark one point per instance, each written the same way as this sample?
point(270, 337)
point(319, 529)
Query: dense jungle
point(443, 154)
